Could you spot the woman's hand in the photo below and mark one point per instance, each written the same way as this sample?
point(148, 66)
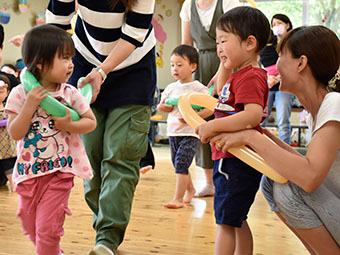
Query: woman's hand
point(212, 82)
point(96, 80)
point(225, 141)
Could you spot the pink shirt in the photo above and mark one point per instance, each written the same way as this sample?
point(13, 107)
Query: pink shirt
point(44, 149)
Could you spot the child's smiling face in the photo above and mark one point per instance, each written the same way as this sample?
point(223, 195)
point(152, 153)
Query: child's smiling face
point(230, 49)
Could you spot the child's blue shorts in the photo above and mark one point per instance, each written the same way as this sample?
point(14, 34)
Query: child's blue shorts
point(183, 150)
point(236, 185)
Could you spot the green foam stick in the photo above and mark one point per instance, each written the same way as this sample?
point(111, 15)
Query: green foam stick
point(51, 105)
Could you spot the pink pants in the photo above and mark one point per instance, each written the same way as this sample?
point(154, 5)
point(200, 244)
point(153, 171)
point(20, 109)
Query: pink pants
point(43, 204)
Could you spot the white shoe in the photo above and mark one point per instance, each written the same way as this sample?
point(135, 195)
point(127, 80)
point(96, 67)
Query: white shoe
point(101, 249)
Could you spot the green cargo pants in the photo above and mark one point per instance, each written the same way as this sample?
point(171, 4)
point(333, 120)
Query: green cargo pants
point(115, 148)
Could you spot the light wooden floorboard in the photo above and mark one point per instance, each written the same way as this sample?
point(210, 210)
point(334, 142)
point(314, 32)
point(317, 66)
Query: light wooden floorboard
point(153, 229)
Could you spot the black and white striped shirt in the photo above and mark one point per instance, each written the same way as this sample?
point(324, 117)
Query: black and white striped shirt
point(99, 26)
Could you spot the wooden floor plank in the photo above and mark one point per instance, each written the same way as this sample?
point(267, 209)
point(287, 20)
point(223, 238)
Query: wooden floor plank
point(153, 229)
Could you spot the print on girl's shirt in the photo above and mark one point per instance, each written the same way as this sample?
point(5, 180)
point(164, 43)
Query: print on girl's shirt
point(43, 147)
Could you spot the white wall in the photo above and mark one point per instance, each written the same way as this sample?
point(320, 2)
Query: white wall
point(19, 23)
point(169, 10)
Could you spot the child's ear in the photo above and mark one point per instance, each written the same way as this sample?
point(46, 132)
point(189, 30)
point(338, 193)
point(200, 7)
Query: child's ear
point(193, 67)
point(39, 66)
point(251, 43)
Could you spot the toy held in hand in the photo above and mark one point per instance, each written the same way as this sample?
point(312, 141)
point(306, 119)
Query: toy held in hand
point(243, 153)
point(174, 101)
point(49, 103)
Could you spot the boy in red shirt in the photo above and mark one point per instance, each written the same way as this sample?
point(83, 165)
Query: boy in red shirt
point(241, 33)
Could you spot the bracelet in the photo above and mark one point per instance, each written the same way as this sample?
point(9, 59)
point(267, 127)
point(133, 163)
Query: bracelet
point(101, 71)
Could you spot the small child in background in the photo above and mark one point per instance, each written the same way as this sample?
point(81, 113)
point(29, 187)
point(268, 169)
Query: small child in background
point(10, 69)
point(7, 144)
point(50, 151)
point(182, 138)
point(241, 33)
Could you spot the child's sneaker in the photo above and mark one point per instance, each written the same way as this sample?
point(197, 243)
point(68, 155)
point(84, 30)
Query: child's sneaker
point(207, 191)
point(101, 249)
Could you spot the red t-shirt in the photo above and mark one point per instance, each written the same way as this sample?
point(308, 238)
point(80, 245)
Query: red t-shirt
point(246, 86)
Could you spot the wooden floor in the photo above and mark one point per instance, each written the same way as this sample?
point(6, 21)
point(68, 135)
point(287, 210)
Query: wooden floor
point(153, 229)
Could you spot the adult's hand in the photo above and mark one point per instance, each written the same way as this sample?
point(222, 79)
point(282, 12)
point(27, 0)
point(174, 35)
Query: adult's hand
point(225, 141)
point(212, 82)
point(96, 80)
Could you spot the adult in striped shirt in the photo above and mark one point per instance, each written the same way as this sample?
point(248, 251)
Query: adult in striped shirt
point(114, 43)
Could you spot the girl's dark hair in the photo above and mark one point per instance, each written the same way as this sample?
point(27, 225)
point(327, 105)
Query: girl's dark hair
point(245, 21)
point(188, 52)
point(42, 43)
point(321, 46)
point(283, 18)
point(127, 3)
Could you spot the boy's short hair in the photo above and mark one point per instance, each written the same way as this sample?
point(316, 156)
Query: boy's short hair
point(187, 51)
point(2, 36)
point(245, 21)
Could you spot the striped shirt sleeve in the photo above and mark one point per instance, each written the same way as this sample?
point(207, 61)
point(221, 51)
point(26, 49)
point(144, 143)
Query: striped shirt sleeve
point(60, 13)
point(138, 22)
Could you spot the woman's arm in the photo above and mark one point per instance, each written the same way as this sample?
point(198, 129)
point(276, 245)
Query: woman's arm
point(134, 31)
point(309, 171)
point(222, 77)
point(279, 142)
point(60, 13)
point(186, 34)
point(117, 55)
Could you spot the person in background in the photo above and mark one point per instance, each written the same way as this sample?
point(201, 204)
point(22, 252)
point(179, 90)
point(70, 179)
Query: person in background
point(8, 151)
point(199, 18)
point(115, 52)
point(10, 69)
point(281, 25)
point(309, 202)
point(182, 137)
point(12, 82)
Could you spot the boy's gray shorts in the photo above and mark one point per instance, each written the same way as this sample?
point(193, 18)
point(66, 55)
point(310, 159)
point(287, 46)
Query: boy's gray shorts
point(302, 209)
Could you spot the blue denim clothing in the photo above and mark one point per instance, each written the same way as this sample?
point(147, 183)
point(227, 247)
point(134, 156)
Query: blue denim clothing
point(183, 149)
point(283, 105)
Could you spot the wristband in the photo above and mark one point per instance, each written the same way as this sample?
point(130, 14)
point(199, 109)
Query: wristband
point(101, 71)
